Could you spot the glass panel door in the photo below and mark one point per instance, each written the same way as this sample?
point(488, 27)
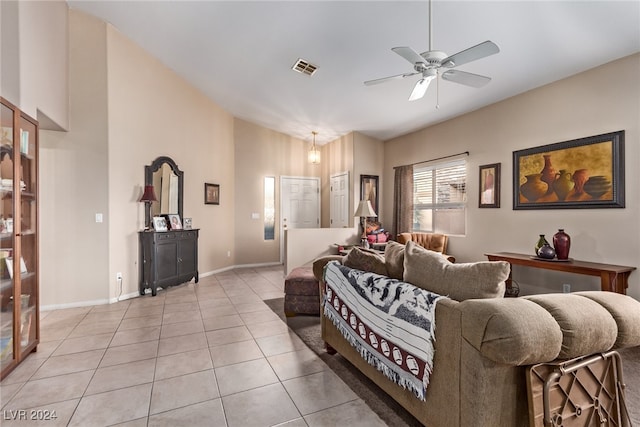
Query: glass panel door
point(26, 228)
point(7, 306)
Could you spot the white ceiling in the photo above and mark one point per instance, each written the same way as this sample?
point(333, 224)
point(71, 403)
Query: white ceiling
point(240, 54)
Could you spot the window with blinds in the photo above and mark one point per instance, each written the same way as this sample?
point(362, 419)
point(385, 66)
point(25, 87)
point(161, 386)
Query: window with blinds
point(440, 197)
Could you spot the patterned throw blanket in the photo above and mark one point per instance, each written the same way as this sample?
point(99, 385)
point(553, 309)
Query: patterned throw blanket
point(391, 323)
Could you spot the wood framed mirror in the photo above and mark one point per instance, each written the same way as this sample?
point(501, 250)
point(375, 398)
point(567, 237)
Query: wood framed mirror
point(167, 181)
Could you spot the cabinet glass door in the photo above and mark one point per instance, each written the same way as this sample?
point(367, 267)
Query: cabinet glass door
point(7, 306)
point(27, 229)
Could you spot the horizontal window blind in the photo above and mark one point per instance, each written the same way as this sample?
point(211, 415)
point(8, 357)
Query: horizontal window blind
point(439, 197)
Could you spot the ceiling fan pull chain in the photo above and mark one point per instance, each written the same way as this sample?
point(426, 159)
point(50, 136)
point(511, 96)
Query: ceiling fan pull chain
point(437, 89)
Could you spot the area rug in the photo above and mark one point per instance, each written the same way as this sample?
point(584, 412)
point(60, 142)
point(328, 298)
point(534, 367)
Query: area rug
point(308, 329)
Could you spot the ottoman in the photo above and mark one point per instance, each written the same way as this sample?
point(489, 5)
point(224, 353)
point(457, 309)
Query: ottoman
point(301, 292)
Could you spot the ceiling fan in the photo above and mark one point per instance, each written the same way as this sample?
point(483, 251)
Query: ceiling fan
point(429, 63)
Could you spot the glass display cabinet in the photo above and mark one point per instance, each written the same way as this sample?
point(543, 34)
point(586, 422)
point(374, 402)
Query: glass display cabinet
point(19, 315)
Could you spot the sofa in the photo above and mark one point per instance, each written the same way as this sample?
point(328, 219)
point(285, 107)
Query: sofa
point(484, 343)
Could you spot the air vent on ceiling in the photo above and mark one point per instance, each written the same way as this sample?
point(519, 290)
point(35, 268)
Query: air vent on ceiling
point(304, 67)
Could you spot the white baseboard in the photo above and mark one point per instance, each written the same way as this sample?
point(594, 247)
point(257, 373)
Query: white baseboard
point(137, 293)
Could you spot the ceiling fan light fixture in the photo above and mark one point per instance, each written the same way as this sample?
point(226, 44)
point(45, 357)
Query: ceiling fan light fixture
point(423, 84)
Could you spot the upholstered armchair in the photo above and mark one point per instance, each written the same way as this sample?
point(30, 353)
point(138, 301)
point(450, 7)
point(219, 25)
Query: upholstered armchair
point(432, 241)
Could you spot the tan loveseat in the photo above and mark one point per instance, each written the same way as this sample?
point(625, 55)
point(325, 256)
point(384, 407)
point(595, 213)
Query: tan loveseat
point(484, 343)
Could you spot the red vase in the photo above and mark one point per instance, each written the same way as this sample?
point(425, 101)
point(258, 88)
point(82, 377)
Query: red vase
point(548, 173)
point(561, 243)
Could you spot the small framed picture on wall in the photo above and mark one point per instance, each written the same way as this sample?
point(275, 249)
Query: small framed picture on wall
point(489, 183)
point(211, 194)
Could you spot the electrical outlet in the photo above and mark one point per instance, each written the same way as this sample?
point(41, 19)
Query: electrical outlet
point(228, 253)
point(566, 288)
point(118, 276)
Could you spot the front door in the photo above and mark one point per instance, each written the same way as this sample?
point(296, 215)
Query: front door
point(299, 205)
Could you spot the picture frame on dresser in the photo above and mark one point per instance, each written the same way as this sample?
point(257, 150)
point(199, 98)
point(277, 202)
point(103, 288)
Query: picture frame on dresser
point(173, 222)
point(187, 223)
point(159, 223)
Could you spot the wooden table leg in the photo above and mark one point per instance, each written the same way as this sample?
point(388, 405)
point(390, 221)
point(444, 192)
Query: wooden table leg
point(613, 282)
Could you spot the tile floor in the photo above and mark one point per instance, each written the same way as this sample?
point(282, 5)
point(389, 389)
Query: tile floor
point(211, 354)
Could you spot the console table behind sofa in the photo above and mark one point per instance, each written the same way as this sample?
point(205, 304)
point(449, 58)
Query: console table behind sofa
point(613, 278)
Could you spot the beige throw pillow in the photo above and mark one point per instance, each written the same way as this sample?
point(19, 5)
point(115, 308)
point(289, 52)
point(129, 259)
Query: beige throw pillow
point(394, 259)
point(365, 260)
point(431, 271)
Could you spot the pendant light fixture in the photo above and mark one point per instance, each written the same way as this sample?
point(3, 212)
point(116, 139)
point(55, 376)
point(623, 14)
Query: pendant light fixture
point(314, 153)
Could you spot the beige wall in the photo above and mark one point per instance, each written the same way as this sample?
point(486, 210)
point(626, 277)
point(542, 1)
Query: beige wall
point(263, 152)
point(126, 110)
point(337, 157)
point(601, 100)
point(368, 160)
point(152, 113)
point(34, 59)
point(74, 182)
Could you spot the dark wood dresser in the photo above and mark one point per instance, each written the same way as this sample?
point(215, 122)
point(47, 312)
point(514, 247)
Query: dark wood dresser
point(167, 258)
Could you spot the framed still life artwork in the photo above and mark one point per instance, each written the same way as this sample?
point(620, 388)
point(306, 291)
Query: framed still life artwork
point(489, 186)
point(581, 173)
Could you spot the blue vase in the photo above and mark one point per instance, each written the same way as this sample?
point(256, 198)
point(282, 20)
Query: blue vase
point(547, 252)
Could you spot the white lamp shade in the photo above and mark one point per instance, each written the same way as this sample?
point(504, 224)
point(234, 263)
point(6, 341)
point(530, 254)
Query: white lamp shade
point(365, 209)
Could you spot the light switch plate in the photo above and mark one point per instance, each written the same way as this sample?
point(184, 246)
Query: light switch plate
point(98, 217)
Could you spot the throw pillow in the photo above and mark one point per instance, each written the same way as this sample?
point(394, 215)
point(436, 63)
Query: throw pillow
point(365, 260)
point(431, 271)
point(394, 259)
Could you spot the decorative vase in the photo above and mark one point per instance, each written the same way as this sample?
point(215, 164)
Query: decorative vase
point(563, 184)
point(580, 176)
point(548, 173)
point(546, 252)
point(534, 188)
point(488, 181)
point(541, 242)
point(562, 243)
point(597, 186)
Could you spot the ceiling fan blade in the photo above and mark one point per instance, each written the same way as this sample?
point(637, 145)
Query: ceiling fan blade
point(409, 54)
point(462, 77)
point(473, 53)
point(384, 79)
point(420, 88)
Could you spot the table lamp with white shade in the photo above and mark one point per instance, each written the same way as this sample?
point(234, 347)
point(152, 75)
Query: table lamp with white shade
point(365, 210)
